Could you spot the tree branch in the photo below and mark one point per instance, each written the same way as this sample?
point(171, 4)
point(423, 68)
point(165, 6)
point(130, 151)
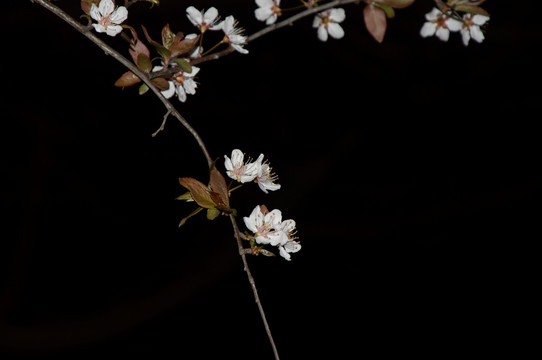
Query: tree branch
point(170, 111)
point(242, 252)
point(127, 63)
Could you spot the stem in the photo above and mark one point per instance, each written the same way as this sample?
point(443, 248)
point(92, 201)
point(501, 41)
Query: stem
point(242, 252)
point(117, 56)
point(170, 111)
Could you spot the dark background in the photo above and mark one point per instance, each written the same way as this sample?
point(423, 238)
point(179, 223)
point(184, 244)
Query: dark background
point(411, 168)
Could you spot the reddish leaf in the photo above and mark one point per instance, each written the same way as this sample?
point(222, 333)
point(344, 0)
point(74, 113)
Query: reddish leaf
point(471, 9)
point(220, 193)
point(375, 21)
point(183, 46)
point(200, 192)
point(168, 37)
point(161, 83)
point(137, 47)
point(127, 79)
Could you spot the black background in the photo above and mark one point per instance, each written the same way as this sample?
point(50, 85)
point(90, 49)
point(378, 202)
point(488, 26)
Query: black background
point(411, 168)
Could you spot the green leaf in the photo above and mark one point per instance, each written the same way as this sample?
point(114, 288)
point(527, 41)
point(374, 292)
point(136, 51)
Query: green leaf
point(390, 13)
point(186, 196)
point(183, 220)
point(127, 79)
point(184, 65)
point(143, 89)
point(144, 63)
point(212, 213)
point(165, 53)
point(265, 252)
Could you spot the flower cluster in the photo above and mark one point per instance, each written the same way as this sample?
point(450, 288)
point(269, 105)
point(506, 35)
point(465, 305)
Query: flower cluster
point(183, 83)
point(269, 228)
point(440, 24)
point(258, 171)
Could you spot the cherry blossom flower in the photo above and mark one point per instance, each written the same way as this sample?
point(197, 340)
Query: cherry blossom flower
point(268, 11)
point(290, 246)
point(108, 18)
point(471, 27)
point(266, 178)
point(237, 169)
point(263, 226)
point(182, 84)
point(233, 34)
point(203, 20)
point(287, 243)
point(439, 24)
point(327, 22)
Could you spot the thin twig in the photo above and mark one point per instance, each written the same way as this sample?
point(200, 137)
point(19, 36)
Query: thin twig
point(162, 125)
point(170, 110)
point(117, 56)
point(242, 252)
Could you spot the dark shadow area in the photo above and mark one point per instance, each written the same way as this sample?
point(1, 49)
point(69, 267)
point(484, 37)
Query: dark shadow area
point(411, 168)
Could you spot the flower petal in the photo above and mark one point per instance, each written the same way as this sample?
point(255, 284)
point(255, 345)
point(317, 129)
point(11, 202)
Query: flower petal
point(335, 30)
point(428, 29)
point(322, 33)
point(337, 15)
point(95, 13)
point(106, 7)
point(119, 15)
point(194, 15)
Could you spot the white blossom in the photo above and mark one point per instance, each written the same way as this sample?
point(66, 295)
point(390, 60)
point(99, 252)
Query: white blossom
point(471, 27)
point(439, 24)
point(233, 35)
point(268, 11)
point(327, 22)
point(182, 84)
point(263, 226)
point(108, 18)
point(287, 243)
point(266, 178)
point(237, 169)
point(203, 20)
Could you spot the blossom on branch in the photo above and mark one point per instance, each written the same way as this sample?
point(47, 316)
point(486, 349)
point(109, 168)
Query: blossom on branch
point(327, 22)
point(269, 229)
point(237, 169)
point(263, 225)
point(266, 178)
point(108, 18)
point(182, 84)
point(268, 11)
point(471, 27)
point(203, 20)
point(439, 24)
point(233, 35)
